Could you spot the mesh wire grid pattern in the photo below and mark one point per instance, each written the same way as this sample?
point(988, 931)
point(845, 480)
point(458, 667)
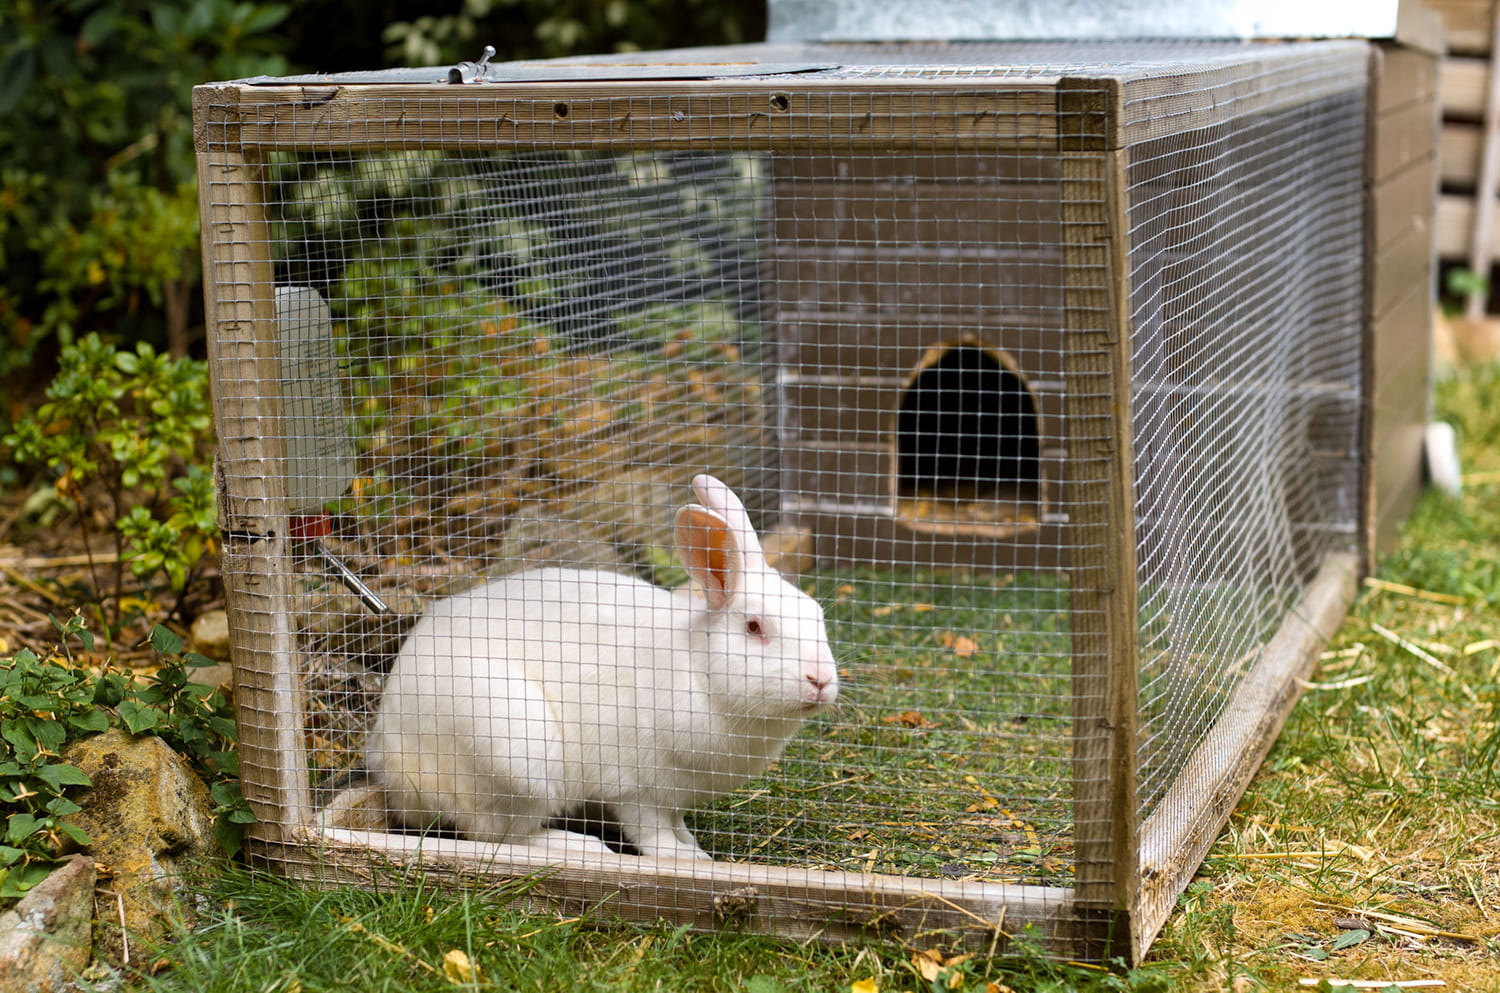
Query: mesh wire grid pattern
point(457, 363)
point(1246, 434)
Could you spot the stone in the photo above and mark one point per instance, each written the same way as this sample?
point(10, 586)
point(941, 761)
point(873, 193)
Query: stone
point(150, 819)
point(209, 637)
point(45, 939)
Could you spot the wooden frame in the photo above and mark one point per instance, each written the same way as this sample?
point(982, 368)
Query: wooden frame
point(1402, 232)
point(1128, 870)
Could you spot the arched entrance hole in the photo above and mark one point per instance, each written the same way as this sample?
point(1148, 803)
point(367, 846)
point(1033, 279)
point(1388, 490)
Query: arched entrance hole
point(967, 446)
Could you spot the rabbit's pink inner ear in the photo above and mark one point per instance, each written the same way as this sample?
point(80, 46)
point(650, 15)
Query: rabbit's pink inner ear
point(708, 550)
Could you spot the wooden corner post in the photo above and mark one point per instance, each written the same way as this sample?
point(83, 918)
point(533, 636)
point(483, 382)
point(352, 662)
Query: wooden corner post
point(1100, 504)
point(250, 475)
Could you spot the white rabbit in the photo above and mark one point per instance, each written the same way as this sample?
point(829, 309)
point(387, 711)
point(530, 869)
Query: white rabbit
point(530, 696)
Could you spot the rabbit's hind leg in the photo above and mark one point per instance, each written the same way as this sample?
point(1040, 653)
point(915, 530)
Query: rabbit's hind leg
point(659, 833)
point(518, 764)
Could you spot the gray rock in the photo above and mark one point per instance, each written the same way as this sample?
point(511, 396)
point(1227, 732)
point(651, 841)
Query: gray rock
point(150, 818)
point(210, 635)
point(45, 939)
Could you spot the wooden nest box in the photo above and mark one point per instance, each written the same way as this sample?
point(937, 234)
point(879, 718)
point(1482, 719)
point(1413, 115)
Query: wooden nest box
point(918, 365)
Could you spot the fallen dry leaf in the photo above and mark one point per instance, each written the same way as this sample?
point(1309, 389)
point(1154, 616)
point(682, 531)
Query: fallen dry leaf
point(928, 964)
point(908, 719)
point(931, 964)
point(458, 968)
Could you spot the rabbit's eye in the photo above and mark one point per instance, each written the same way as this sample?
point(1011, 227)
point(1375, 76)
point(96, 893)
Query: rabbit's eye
point(754, 628)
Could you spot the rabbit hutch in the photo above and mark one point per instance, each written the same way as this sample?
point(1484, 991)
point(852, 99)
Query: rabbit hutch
point(1039, 366)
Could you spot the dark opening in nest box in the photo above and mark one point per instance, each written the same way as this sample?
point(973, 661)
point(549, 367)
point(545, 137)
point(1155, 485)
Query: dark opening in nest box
point(967, 447)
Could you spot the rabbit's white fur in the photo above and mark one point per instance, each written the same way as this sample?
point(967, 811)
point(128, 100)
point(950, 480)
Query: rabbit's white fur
point(521, 700)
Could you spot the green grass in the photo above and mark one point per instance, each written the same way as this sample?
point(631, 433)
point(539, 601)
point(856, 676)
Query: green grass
point(1379, 805)
point(265, 934)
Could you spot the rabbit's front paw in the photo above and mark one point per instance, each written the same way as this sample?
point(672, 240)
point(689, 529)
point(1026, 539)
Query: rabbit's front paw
point(555, 841)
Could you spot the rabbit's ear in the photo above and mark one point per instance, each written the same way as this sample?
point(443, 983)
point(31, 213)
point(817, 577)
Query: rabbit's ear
point(710, 552)
point(720, 499)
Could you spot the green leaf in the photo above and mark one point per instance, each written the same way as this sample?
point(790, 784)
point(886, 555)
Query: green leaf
point(165, 640)
point(228, 763)
point(90, 720)
point(231, 836)
point(266, 17)
point(49, 734)
point(20, 738)
point(109, 691)
point(61, 806)
point(138, 717)
point(22, 826)
point(198, 19)
point(18, 879)
point(1349, 939)
point(59, 776)
point(99, 26)
point(16, 76)
point(77, 834)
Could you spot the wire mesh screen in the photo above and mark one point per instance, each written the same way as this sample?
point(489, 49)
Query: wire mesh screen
point(741, 470)
point(1246, 278)
point(540, 350)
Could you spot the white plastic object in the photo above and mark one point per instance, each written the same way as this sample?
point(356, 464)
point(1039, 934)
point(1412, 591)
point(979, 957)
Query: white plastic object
point(1441, 445)
point(319, 453)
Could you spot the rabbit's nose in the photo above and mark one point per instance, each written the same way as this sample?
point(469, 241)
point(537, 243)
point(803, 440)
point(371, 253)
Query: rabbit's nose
point(824, 684)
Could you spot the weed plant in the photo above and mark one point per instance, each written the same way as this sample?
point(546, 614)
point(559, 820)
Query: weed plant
point(123, 439)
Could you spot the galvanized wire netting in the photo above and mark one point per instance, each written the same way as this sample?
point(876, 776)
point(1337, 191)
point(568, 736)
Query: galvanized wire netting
point(539, 349)
point(1246, 280)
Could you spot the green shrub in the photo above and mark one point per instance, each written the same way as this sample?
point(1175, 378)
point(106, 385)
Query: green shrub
point(125, 435)
point(98, 217)
point(441, 34)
